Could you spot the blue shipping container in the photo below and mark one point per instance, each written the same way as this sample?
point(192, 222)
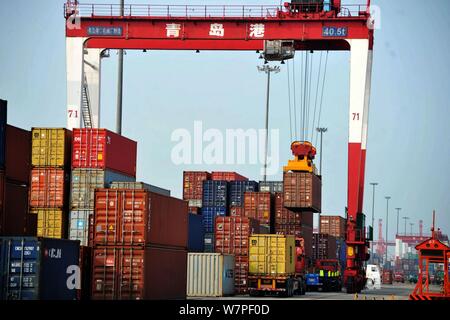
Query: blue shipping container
point(342, 254)
point(237, 189)
point(215, 193)
point(196, 235)
point(39, 268)
point(209, 242)
point(209, 215)
point(3, 113)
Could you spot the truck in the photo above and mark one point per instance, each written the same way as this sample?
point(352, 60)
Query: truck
point(276, 265)
point(326, 276)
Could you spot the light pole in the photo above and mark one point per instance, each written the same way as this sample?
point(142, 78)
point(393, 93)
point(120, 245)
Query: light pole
point(321, 131)
point(411, 224)
point(398, 216)
point(387, 225)
point(374, 184)
point(120, 81)
point(405, 218)
point(267, 69)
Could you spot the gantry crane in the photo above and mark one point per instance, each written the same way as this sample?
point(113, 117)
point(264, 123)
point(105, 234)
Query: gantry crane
point(277, 31)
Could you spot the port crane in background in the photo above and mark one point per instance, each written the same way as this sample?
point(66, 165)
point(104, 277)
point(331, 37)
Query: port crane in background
point(277, 31)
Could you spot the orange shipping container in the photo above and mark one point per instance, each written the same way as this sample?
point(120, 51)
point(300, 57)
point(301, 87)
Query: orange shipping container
point(49, 188)
point(138, 217)
point(258, 205)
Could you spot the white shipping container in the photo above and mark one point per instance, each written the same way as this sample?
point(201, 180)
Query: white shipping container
point(210, 275)
point(398, 248)
point(195, 203)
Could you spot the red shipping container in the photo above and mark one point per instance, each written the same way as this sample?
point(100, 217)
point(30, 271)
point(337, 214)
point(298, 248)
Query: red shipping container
point(284, 215)
point(258, 205)
point(236, 211)
point(302, 191)
point(103, 149)
point(324, 246)
point(18, 154)
point(241, 274)
point(232, 233)
point(49, 188)
point(193, 184)
point(227, 176)
point(14, 217)
point(139, 217)
point(139, 273)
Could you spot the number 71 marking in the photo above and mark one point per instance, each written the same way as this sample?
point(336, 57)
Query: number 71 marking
point(356, 116)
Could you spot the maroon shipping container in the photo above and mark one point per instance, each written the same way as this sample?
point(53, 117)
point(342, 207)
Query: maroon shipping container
point(103, 149)
point(14, 217)
point(18, 154)
point(282, 214)
point(324, 246)
point(302, 191)
point(139, 273)
point(84, 293)
point(139, 217)
point(297, 230)
point(193, 184)
point(236, 211)
point(241, 274)
point(227, 176)
point(49, 188)
point(232, 233)
point(333, 225)
point(258, 205)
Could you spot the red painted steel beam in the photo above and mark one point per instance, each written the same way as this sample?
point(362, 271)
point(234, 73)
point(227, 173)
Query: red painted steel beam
point(145, 33)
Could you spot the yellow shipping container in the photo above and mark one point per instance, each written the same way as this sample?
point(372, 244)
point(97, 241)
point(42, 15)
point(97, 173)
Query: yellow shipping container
point(50, 223)
point(50, 147)
point(271, 254)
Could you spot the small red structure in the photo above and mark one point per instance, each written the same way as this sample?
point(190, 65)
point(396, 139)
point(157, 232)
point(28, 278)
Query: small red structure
point(431, 251)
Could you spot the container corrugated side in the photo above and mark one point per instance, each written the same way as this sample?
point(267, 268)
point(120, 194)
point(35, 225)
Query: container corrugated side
point(196, 233)
point(51, 147)
point(3, 119)
point(153, 272)
point(210, 275)
point(49, 188)
point(17, 157)
point(79, 228)
point(51, 223)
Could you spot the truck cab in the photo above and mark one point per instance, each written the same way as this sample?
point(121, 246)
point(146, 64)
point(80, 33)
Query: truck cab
point(373, 275)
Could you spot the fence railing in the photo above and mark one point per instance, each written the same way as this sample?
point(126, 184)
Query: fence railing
point(198, 11)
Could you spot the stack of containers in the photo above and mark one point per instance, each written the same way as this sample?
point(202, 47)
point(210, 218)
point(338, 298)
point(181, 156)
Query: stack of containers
point(215, 203)
point(232, 236)
point(237, 191)
point(193, 189)
point(140, 245)
point(97, 160)
point(297, 223)
point(259, 206)
point(271, 186)
point(336, 227)
point(50, 180)
point(14, 179)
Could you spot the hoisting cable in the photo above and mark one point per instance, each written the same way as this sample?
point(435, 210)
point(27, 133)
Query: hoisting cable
point(295, 99)
point(304, 95)
point(323, 89)
point(301, 100)
point(289, 99)
point(317, 94)
point(309, 94)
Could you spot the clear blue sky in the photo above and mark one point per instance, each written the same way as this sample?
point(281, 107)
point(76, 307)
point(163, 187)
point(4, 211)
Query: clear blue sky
point(409, 135)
